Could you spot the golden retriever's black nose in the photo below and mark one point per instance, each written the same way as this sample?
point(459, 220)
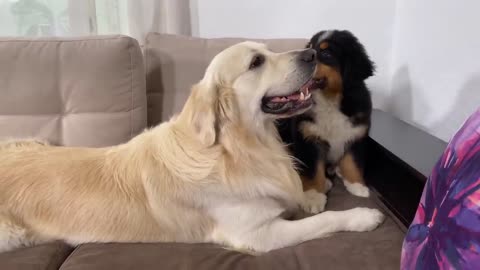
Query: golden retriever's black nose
point(308, 55)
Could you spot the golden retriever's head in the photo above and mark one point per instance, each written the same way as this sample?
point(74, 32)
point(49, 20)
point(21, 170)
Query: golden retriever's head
point(266, 84)
point(249, 83)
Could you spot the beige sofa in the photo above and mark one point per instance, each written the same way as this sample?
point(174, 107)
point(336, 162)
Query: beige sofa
point(101, 91)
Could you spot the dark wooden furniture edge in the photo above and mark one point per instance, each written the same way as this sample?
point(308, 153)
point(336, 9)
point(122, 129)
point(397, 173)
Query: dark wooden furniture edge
point(399, 160)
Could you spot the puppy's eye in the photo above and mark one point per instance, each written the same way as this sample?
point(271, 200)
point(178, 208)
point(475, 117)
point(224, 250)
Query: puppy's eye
point(325, 54)
point(257, 61)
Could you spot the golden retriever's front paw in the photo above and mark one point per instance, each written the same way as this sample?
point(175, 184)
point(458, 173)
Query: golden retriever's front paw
point(363, 219)
point(314, 202)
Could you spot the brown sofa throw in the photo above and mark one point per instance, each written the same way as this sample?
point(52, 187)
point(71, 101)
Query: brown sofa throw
point(77, 92)
point(174, 63)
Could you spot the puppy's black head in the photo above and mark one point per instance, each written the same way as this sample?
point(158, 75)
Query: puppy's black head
point(341, 59)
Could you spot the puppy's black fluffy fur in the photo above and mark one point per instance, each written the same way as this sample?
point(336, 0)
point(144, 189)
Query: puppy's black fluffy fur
point(346, 55)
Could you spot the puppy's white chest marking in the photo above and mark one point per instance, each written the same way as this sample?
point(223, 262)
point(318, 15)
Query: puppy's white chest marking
point(332, 126)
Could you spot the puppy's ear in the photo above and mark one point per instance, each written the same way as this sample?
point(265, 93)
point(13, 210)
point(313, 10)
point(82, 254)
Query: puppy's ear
point(207, 110)
point(358, 67)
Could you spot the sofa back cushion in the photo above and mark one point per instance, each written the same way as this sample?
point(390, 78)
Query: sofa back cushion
point(174, 63)
point(75, 92)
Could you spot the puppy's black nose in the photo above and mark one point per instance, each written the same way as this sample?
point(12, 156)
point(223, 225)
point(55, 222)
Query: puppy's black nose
point(308, 55)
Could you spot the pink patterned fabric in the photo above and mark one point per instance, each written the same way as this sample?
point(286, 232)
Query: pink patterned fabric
point(445, 233)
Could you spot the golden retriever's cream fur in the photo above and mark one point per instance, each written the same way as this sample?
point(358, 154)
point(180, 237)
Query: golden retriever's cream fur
point(217, 172)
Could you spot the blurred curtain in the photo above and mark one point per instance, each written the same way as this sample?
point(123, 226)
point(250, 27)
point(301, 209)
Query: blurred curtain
point(92, 17)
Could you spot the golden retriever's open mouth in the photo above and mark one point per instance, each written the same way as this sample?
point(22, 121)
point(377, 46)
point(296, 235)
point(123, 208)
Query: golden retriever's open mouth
point(298, 100)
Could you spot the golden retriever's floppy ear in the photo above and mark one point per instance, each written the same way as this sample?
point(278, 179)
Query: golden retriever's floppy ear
point(207, 110)
point(200, 112)
point(203, 102)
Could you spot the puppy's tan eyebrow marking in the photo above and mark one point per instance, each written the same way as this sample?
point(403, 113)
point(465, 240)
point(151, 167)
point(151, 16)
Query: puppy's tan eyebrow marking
point(324, 45)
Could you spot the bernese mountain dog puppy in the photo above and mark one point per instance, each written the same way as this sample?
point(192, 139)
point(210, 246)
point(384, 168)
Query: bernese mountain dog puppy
point(329, 140)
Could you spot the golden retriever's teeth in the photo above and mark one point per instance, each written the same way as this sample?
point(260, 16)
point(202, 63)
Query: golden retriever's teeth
point(302, 96)
point(308, 96)
point(307, 92)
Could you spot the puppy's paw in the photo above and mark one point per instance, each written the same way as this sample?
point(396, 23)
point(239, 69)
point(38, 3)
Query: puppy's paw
point(328, 185)
point(357, 189)
point(314, 202)
point(363, 219)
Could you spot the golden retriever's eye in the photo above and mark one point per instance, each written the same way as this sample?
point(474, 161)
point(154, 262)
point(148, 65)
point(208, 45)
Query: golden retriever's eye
point(257, 61)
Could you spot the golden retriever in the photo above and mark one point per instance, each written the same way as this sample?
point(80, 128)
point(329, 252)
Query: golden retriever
point(217, 172)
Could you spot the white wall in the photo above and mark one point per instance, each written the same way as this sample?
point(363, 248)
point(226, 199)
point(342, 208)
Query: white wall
point(427, 52)
point(436, 64)
point(372, 23)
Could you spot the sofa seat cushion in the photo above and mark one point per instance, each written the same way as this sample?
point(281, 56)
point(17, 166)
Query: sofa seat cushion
point(379, 249)
point(42, 257)
point(72, 91)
